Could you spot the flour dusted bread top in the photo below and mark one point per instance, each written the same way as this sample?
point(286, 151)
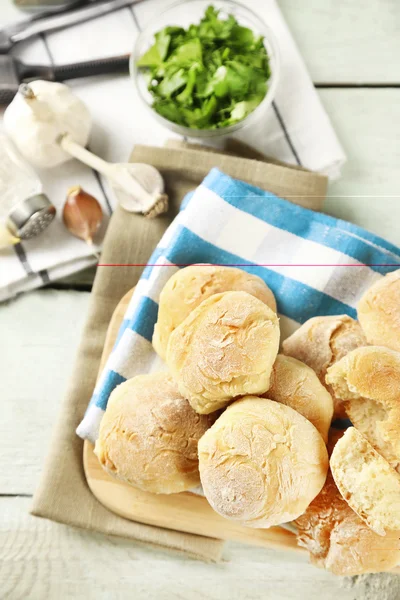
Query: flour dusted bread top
point(379, 312)
point(187, 288)
point(261, 463)
point(367, 482)
point(322, 341)
point(225, 348)
point(337, 539)
point(148, 435)
point(293, 383)
point(368, 382)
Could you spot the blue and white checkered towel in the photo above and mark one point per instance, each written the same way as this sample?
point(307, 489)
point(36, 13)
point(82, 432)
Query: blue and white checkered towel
point(314, 264)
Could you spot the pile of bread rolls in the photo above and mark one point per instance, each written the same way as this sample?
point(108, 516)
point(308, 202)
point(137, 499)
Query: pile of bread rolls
point(254, 426)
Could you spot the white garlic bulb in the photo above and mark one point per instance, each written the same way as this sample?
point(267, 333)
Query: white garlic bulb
point(40, 113)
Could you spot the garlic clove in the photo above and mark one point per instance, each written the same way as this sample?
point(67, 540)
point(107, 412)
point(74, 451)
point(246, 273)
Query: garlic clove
point(139, 187)
point(82, 214)
point(155, 202)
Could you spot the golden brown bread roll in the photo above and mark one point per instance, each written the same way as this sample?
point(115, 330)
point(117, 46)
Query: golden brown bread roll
point(367, 482)
point(225, 348)
point(148, 435)
point(261, 463)
point(322, 341)
point(185, 290)
point(297, 386)
point(368, 381)
point(379, 312)
point(338, 540)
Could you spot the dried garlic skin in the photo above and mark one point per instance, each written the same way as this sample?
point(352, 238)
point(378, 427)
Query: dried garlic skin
point(261, 463)
point(225, 348)
point(148, 435)
point(379, 312)
point(322, 341)
point(187, 288)
point(82, 214)
point(367, 380)
point(295, 384)
point(35, 120)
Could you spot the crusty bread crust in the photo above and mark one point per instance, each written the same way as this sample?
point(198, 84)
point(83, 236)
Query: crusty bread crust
point(379, 312)
point(225, 348)
point(295, 384)
point(368, 381)
point(187, 288)
point(261, 463)
point(338, 540)
point(322, 341)
point(148, 435)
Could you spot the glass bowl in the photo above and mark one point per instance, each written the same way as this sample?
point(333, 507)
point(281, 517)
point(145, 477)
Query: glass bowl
point(183, 14)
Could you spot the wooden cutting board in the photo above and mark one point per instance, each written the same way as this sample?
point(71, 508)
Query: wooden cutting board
point(183, 512)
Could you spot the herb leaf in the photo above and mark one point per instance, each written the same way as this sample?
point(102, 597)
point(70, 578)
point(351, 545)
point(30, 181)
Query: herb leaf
point(209, 76)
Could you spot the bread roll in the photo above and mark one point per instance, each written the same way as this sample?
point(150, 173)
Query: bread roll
point(379, 312)
point(185, 290)
point(225, 348)
point(367, 482)
point(368, 380)
point(261, 463)
point(322, 341)
point(338, 540)
point(297, 386)
point(149, 434)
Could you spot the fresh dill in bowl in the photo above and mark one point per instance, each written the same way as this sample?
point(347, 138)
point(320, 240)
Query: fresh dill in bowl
point(208, 76)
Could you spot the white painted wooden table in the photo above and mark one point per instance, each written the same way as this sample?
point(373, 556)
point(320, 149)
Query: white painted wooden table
point(351, 48)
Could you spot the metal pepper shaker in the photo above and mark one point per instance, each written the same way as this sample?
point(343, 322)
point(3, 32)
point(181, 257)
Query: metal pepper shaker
point(24, 209)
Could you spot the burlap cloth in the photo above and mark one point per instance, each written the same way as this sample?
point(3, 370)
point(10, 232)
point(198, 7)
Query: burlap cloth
point(63, 494)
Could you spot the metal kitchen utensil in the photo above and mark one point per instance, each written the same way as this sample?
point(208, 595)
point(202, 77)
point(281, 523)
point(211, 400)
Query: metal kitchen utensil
point(23, 30)
point(13, 71)
point(30, 217)
point(47, 6)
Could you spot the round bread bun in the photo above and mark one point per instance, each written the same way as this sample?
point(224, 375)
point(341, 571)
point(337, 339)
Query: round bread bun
point(322, 341)
point(261, 463)
point(185, 290)
point(368, 381)
point(225, 348)
point(338, 540)
point(379, 312)
point(297, 386)
point(367, 482)
point(148, 435)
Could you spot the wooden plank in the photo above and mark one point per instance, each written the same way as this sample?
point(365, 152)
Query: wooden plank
point(40, 559)
point(350, 41)
point(368, 125)
point(183, 512)
point(40, 333)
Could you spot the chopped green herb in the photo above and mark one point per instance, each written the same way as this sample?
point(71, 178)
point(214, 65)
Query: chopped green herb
point(209, 76)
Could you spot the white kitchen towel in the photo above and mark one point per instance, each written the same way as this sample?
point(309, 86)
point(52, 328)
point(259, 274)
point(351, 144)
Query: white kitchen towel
point(295, 130)
point(315, 265)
